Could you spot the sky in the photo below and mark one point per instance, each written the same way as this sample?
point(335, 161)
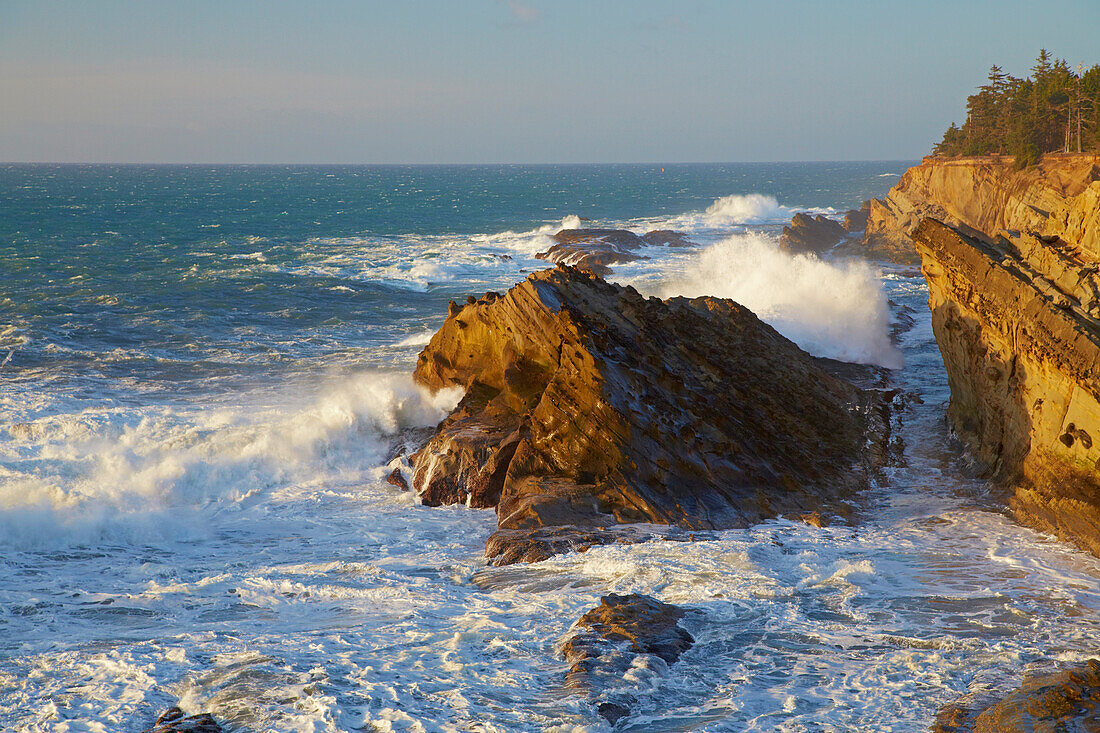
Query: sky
point(508, 81)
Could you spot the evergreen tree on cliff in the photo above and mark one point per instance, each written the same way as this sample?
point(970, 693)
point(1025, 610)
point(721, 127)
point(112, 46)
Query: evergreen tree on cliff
point(1055, 109)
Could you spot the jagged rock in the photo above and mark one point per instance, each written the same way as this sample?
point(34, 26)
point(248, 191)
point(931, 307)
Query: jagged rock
point(810, 234)
point(594, 250)
point(855, 220)
point(615, 632)
point(589, 406)
point(1023, 365)
point(667, 238)
point(1059, 701)
point(396, 479)
point(175, 720)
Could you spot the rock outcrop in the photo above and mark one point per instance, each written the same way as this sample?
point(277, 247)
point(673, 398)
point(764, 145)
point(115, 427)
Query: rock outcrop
point(809, 234)
point(589, 407)
point(1059, 701)
point(596, 250)
point(1016, 323)
point(612, 635)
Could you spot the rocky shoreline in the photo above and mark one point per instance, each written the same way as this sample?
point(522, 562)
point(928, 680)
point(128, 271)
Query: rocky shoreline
point(593, 415)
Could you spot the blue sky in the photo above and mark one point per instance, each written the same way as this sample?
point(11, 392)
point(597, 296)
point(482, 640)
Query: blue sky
point(452, 81)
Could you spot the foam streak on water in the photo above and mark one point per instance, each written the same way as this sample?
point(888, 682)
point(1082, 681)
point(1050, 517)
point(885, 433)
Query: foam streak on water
point(193, 506)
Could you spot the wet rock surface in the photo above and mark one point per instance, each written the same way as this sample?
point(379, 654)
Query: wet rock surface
point(1057, 702)
point(594, 250)
point(811, 234)
point(175, 720)
point(589, 407)
point(613, 636)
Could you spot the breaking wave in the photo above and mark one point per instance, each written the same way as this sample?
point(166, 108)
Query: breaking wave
point(98, 474)
point(832, 309)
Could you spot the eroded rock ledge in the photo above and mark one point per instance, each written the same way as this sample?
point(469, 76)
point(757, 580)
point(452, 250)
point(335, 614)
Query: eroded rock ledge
point(589, 407)
point(1016, 323)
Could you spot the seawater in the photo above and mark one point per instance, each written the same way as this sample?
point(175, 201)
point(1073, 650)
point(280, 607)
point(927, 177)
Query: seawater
point(203, 369)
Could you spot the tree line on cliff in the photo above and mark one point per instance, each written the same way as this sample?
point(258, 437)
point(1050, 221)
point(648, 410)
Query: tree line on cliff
point(1055, 109)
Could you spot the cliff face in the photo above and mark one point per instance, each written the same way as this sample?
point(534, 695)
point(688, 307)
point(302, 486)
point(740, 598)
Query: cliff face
point(1015, 314)
point(982, 196)
point(588, 406)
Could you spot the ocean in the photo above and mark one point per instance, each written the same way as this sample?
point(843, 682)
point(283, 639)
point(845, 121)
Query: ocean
point(203, 368)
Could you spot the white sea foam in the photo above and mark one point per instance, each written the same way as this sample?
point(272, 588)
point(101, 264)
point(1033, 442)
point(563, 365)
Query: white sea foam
point(834, 309)
point(85, 476)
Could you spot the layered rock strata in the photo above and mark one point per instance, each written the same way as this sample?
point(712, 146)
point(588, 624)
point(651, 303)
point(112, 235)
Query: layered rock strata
point(1016, 322)
point(1060, 197)
point(589, 407)
point(611, 637)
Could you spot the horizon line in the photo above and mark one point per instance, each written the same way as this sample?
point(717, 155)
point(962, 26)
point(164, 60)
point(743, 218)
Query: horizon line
point(463, 164)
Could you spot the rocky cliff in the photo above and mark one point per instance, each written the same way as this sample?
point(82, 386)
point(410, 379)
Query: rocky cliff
point(982, 196)
point(1013, 289)
point(589, 407)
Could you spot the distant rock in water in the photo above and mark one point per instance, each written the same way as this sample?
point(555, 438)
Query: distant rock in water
point(594, 250)
point(809, 234)
point(667, 238)
point(614, 634)
point(588, 406)
point(175, 720)
point(1061, 701)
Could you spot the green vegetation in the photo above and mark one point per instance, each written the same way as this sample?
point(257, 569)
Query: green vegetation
point(1055, 109)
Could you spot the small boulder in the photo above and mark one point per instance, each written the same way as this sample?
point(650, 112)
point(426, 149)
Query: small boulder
point(174, 720)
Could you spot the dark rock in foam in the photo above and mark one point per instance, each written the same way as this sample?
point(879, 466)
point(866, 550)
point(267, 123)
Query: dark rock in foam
point(612, 635)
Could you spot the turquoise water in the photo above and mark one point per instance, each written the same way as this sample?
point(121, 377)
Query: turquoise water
point(204, 370)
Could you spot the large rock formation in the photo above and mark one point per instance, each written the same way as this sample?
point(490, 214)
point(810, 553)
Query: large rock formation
point(588, 407)
point(1016, 323)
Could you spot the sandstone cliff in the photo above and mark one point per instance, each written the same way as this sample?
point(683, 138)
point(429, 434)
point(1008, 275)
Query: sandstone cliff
point(589, 407)
point(1016, 322)
point(982, 196)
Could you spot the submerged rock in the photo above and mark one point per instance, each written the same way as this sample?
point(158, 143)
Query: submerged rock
point(809, 234)
point(589, 407)
point(1059, 701)
point(175, 720)
point(614, 634)
point(1015, 322)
